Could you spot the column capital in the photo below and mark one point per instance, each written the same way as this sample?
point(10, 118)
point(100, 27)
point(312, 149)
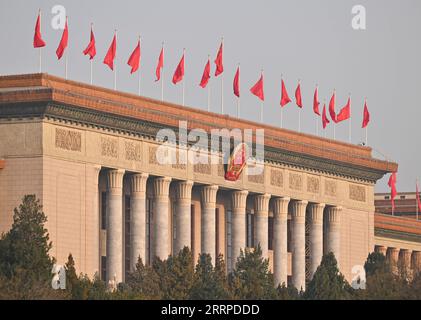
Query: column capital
point(239, 199)
point(183, 190)
point(299, 208)
point(208, 194)
point(334, 214)
point(161, 187)
point(261, 204)
point(280, 206)
point(381, 249)
point(115, 180)
point(316, 212)
point(138, 182)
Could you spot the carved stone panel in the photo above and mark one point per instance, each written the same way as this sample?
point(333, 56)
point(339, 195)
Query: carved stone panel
point(133, 150)
point(202, 168)
point(180, 165)
point(357, 193)
point(152, 155)
point(221, 170)
point(313, 185)
point(295, 181)
point(68, 140)
point(276, 178)
point(331, 188)
point(256, 178)
point(109, 147)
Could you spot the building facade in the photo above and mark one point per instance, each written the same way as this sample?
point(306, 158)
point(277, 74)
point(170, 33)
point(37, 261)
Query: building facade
point(89, 154)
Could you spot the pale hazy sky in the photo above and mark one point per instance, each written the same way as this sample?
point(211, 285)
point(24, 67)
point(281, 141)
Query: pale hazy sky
point(311, 40)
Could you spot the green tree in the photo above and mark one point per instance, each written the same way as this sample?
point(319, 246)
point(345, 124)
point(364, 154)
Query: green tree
point(209, 283)
point(25, 265)
point(381, 282)
point(287, 293)
point(251, 278)
point(144, 282)
point(328, 283)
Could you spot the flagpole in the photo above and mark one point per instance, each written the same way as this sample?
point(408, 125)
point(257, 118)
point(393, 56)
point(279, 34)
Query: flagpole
point(91, 71)
point(162, 73)
point(115, 66)
point(366, 127)
point(317, 128)
point(184, 78)
point(282, 108)
point(65, 66)
point(209, 89)
point(416, 198)
point(40, 48)
point(222, 82)
point(299, 113)
point(238, 98)
point(350, 118)
point(261, 104)
point(138, 89)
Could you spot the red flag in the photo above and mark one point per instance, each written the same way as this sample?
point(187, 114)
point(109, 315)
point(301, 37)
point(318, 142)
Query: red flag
point(325, 120)
point(345, 112)
point(332, 107)
point(284, 94)
point(90, 49)
point(206, 75)
point(392, 185)
point(63, 42)
point(257, 89)
point(38, 42)
point(179, 72)
point(160, 64)
point(298, 100)
point(219, 61)
point(109, 58)
point(236, 83)
point(134, 60)
point(316, 101)
point(418, 198)
point(366, 116)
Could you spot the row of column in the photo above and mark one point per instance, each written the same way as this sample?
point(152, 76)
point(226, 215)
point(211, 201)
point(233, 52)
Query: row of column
point(406, 258)
point(160, 244)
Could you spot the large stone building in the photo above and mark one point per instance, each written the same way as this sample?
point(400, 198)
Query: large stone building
point(89, 154)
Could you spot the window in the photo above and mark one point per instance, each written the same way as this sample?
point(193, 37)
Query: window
point(103, 210)
point(250, 230)
point(229, 240)
point(103, 268)
point(216, 232)
point(270, 233)
point(127, 232)
point(148, 230)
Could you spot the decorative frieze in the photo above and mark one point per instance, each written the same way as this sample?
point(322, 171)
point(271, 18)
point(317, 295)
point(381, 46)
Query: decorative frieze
point(357, 193)
point(68, 140)
point(256, 178)
point(109, 147)
point(221, 170)
point(179, 164)
point(330, 188)
point(202, 168)
point(295, 181)
point(313, 185)
point(133, 150)
point(152, 155)
point(276, 178)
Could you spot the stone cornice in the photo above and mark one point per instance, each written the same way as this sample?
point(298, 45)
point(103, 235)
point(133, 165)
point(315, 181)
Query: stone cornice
point(42, 95)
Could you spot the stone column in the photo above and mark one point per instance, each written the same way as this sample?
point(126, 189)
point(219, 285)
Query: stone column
point(393, 258)
point(238, 224)
point(207, 225)
point(161, 188)
point(138, 218)
point(261, 215)
point(95, 245)
point(381, 249)
point(416, 261)
point(298, 244)
point(183, 216)
point(316, 235)
point(280, 240)
point(115, 226)
point(406, 260)
point(333, 232)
